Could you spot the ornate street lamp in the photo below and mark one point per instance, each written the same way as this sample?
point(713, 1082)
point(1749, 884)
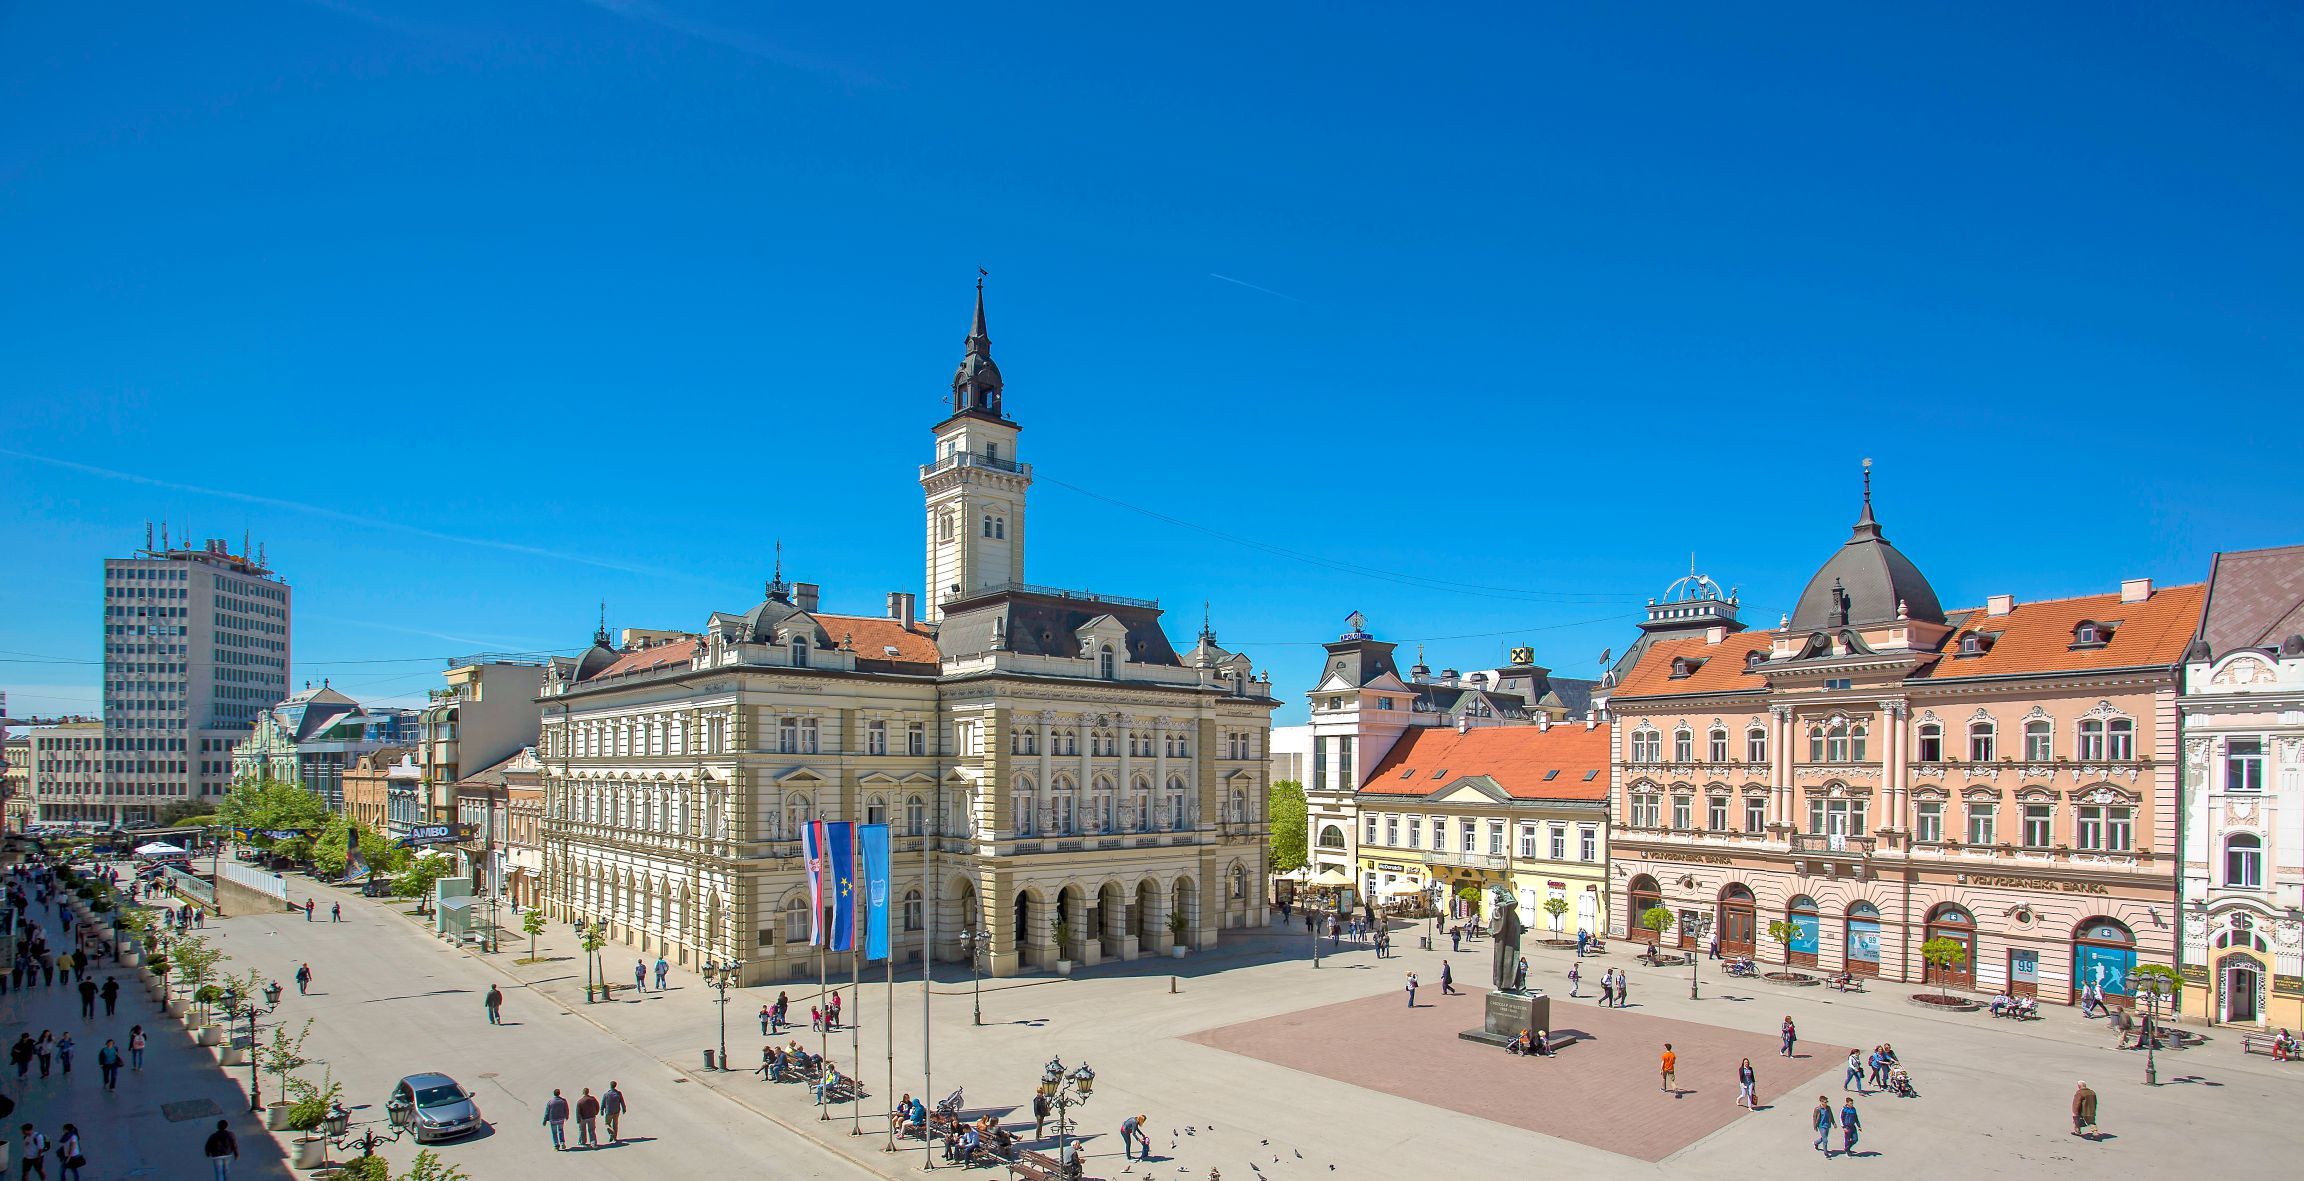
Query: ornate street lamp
point(723, 976)
point(234, 1009)
point(338, 1121)
point(1066, 1089)
point(976, 944)
point(2152, 988)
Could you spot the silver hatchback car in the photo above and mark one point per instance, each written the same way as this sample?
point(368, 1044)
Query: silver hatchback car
point(434, 1107)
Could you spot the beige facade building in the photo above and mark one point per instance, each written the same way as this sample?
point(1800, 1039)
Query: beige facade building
point(64, 776)
point(1041, 754)
point(1878, 771)
point(487, 713)
point(16, 787)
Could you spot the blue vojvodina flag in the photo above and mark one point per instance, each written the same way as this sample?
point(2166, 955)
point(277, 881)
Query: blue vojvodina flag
point(840, 875)
point(874, 839)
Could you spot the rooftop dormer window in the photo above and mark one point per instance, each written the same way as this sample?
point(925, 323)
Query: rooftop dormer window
point(2091, 634)
point(1975, 643)
point(1752, 662)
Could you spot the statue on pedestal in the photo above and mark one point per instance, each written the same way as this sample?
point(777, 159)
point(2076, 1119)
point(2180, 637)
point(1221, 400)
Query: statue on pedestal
point(1505, 929)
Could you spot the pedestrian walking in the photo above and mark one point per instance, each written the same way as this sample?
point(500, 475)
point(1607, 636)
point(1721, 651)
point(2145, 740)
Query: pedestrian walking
point(307, 910)
point(663, 971)
point(1790, 1036)
point(765, 1013)
point(87, 999)
point(108, 1064)
point(335, 912)
point(64, 1048)
point(556, 1119)
point(1623, 988)
point(1879, 1064)
point(495, 1004)
point(303, 979)
point(69, 1162)
point(1411, 1004)
point(1132, 1135)
point(32, 1151)
point(46, 1049)
point(1575, 979)
point(1583, 940)
point(587, 1120)
point(612, 1110)
point(21, 1054)
point(640, 975)
point(135, 1047)
point(832, 1011)
point(111, 995)
point(1747, 1084)
point(1854, 1080)
point(1455, 938)
point(1821, 1118)
point(1039, 1113)
point(1670, 1062)
point(1849, 1127)
point(2083, 1110)
point(1447, 981)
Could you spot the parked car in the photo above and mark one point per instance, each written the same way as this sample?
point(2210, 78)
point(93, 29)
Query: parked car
point(433, 1107)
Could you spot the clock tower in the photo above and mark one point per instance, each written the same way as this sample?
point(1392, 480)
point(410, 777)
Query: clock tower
point(975, 487)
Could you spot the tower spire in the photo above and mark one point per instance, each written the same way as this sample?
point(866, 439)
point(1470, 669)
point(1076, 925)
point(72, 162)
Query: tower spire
point(776, 588)
point(1866, 524)
point(976, 384)
point(600, 637)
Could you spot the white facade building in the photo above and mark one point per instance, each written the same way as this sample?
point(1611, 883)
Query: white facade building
point(1063, 785)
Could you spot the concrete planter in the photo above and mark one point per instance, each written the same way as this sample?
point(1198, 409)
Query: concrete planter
point(211, 1035)
point(1177, 952)
point(311, 1152)
point(1063, 967)
point(231, 1056)
point(276, 1115)
point(177, 1006)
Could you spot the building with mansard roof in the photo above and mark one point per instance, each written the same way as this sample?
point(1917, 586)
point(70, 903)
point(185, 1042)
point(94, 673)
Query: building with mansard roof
point(1066, 787)
point(1877, 771)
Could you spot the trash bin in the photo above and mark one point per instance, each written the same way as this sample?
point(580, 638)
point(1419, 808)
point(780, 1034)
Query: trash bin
point(709, 1061)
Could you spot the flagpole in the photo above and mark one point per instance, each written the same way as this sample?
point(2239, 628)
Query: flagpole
point(857, 927)
point(823, 1036)
point(822, 861)
point(890, 961)
point(928, 850)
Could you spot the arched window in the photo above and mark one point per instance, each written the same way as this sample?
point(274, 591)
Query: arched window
point(1982, 736)
point(912, 910)
point(795, 921)
point(1716, 745)
point(2104, 955)
point(1142, 804)
point(1647, 745)
point(1176, 814)
point(1683, 746)
point(2244, 861)
point(799, 651)
point(1332, 837)
point(2090, 748)
point(2039, 741)
point(1930, 747)
point(2120, 740)
point(915, 816)
point(943, 526)
point(876, 809)
point(1104, 666)
point(999, 528)
point(796, 812)
point(987, 524)
point(1641, 896)
point(1859, 737)
point(1807, 928)
point(1756, 745)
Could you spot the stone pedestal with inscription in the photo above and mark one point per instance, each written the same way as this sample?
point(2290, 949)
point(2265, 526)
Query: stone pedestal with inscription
point(1510, 1012)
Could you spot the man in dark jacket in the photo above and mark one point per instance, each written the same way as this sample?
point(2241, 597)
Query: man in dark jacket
point(221, 1150)
point(2083, 1110)
point(111, 994)
point(612, 1110)
point(87, 999)
point(587, 1120)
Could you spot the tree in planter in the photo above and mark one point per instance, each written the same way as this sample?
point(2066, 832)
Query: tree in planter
point(429, 1167)
point(282, 1057)
point(309, 1102)
point(1782, 932)
point(1942, 956)
point(196, 963)
point(1557, 907)
point(1654, 920)
point(1289, 836)
point(592, 937)
point(416, 881)
point(1061, 932)
point(1176, 926)
point(533, 923)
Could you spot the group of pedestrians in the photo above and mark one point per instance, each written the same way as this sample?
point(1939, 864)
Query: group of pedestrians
point(590, 1112)
point(1615, 986)
point(335, 911)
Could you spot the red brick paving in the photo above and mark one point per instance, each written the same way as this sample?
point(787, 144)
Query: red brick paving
point(1603, 1091)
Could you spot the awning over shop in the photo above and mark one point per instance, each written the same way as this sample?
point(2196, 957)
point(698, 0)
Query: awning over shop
point(160, 849)
point(1332, 876)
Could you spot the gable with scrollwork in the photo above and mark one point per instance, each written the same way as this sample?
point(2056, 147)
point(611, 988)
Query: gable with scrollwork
point(2243, 669)
point(1930, 792)
point(2033, 793)
point(2105, 709)
point(1975, 794)
point(2103, 793)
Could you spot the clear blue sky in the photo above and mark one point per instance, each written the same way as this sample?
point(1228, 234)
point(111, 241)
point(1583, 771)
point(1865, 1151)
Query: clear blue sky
point(485, 314)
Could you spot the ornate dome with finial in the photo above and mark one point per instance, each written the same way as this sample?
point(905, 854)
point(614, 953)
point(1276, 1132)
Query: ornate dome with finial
point(1867, 582)
point(976, 383)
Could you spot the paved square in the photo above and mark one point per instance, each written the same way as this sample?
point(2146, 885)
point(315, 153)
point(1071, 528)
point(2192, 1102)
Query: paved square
point(1604, 1091)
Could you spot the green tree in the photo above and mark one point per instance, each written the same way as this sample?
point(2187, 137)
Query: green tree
point(429, 1167)
point(415, 880)
point(1784, 931)
point(2171, 981)
point(265, 805)
point(195, 961)
point(1942, 955)
point(283, 1056)
point(1556, 906)
point(532, 921)
point(331, 854)
point(592, 937)
point(1655, 919)
point(1289, 841)
point(180, 812)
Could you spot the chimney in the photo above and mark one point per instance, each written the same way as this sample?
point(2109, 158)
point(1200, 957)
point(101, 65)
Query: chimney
point(900, 608)
point(1715, 633)
point(1591, 720)
point(2135, 590)
point(1999, 604)
point(804, 595)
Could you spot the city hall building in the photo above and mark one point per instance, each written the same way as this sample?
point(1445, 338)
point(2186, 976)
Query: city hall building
point(1065, 785)
point(1877, 771)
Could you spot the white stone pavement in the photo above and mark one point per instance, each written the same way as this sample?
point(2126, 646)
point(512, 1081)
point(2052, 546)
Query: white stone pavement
point(1994, 1094)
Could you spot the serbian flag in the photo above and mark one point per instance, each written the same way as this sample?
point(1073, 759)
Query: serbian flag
point(874, 838)
point(840, 879)
point(812, 846)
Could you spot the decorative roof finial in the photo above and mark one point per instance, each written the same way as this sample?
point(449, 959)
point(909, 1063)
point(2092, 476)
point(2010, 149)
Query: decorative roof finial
point(1866, 519)
point(776, 587)
point(600, 637)
point(1207, 631)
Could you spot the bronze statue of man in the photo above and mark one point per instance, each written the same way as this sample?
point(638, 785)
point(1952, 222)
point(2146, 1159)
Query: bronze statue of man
point(1504, 929)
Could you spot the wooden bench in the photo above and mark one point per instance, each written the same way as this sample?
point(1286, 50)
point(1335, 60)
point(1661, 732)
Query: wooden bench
point(1039, 1166)
point(1851, 984)
point(2258, 1043)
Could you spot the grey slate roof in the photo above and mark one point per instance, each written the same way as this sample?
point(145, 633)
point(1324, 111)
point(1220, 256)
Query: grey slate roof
point(1037, 625)
point(2255, 599)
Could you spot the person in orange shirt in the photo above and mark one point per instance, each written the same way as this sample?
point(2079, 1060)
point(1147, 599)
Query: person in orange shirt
point(1670, 1060)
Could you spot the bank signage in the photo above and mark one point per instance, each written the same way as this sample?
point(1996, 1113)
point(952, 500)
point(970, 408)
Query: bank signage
point(437, 834)
point(1996, 881)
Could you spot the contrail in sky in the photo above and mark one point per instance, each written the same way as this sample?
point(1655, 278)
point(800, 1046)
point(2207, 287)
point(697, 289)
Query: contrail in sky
point(1266, 290)
point(510, 547)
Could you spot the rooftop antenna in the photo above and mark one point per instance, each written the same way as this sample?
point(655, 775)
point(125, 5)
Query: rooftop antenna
point(147, 535)
point(163, 535)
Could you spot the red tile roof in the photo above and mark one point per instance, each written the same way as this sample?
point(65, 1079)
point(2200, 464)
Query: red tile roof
point(872, 635)
point(654, 657)
point(1518, 758)
point(2033, 639)
point(2036, 638)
